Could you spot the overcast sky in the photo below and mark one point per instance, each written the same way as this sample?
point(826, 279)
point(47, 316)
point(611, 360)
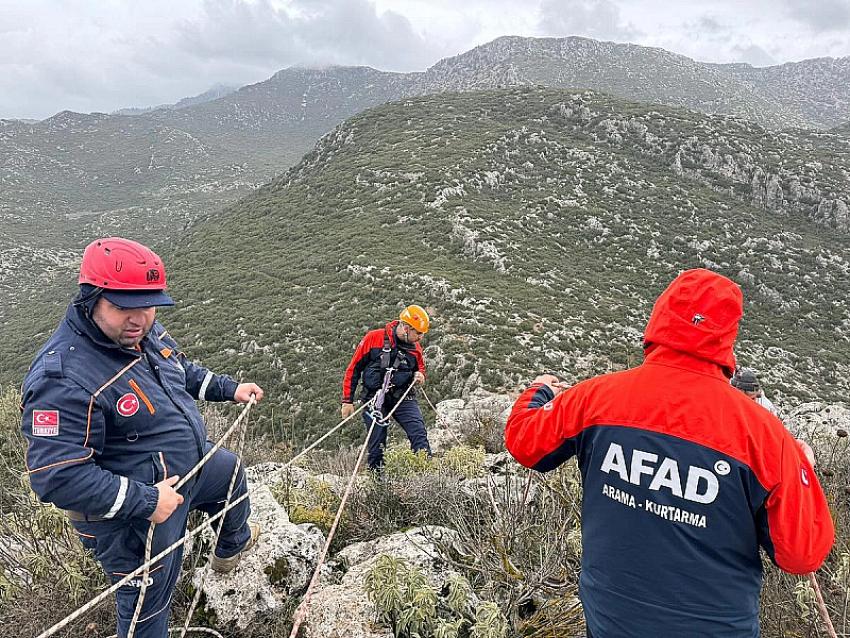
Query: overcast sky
point(100, 56)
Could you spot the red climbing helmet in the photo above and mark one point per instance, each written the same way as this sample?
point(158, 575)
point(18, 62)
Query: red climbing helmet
point(130, 275)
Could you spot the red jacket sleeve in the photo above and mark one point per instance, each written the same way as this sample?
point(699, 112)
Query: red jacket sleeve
point(799, 522)
point(356, 365)
point(420, 359)
point(541, 428)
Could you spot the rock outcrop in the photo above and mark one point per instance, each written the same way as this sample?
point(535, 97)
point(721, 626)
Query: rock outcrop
point(277, 568)
point(340, 608)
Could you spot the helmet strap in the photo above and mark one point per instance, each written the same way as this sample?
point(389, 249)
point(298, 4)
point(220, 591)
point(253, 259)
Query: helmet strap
point(83, 300)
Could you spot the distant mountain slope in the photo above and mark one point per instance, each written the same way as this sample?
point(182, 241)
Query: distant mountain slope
point(536, 225)
point(281, 118)
point(624, 70)
point(213, 93)
point(818, 90)
point(74, 176)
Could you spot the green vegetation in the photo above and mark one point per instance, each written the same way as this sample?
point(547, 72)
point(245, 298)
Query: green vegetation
point(536, 226)
point(535, 237)
point(413, 608)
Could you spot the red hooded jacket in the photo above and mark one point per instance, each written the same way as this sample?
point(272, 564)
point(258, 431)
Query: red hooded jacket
point(684, 477)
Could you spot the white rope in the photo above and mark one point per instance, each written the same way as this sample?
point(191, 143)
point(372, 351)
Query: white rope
point(206, 568)
point(315, 443)
point(824, 612)
point(395, 407)
point(301, 612)
point(143, 589)
point(94, 602)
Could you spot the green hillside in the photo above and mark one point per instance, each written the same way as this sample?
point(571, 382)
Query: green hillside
point(536, 225)
point(153, 173)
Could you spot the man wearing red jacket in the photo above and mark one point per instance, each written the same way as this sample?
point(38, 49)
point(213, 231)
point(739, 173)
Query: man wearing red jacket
point(389, 360)
point(684, 477)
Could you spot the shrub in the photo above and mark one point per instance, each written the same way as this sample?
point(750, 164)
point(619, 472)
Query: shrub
point(316, 503)
point(402, 462)
point(410, 605)
point(463, 460)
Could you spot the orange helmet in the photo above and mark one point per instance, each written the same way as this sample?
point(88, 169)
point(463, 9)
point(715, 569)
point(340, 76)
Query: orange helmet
point(415, 317)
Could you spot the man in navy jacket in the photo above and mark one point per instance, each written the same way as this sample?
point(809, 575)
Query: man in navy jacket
point(111, 425)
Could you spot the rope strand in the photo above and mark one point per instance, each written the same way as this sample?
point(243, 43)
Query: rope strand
point(824, 612)
point(94, 602)
point(301, 612)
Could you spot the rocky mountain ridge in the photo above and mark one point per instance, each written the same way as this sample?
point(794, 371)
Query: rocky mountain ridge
point(73, 176)
point(213, 93)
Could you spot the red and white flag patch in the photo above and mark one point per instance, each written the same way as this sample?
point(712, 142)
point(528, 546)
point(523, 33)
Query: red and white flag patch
point(45, 422)
point(128, 404)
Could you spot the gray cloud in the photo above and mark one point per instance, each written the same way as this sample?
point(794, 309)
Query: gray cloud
point(708, 24)
point(593, 18)
point(753, 54)
point(305, 32)
point(112, 61)
point(820, 15)
point(56, 54)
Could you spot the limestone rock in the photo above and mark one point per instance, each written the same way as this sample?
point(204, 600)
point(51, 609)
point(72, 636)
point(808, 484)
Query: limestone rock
point(456, 416)
point(820, 424)
point(273, 474)
point(277, 568)
point(343, 609)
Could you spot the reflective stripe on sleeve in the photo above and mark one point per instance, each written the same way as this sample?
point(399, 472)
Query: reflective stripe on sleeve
point(119, 500)
point(203, 391)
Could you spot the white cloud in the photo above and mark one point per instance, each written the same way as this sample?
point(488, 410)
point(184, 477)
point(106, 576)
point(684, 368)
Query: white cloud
point(599, 19)
point(84, 56)
point(820, 15)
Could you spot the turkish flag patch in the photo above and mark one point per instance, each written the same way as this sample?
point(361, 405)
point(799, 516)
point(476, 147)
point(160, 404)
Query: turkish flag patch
point(128, 404)
point(45, 422)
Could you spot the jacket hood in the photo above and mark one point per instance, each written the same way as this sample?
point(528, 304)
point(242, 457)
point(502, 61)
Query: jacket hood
point(698, 314)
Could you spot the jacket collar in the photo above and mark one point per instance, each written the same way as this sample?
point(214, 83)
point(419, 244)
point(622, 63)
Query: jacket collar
point(389, 330)
point(83, 325)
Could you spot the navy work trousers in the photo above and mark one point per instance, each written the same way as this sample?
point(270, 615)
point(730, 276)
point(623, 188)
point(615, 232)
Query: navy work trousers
point(409, 417)
point(119, 545)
